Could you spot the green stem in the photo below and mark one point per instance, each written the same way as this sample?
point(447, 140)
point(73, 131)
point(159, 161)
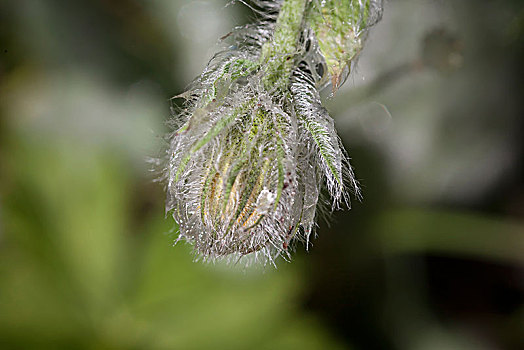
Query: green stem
point(278, 53)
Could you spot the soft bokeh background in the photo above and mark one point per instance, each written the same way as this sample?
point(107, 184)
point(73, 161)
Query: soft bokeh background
point(432, 258)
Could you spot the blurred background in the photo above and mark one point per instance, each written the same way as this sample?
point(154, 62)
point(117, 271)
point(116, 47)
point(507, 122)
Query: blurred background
point(432, 116)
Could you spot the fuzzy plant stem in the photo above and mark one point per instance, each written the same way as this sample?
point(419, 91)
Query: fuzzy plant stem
point(278, 53)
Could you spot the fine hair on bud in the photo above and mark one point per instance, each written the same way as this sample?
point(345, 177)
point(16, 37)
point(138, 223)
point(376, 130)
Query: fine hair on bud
point(252, 148)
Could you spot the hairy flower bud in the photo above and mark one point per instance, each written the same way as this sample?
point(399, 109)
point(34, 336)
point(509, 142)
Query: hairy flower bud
point(253, 145)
